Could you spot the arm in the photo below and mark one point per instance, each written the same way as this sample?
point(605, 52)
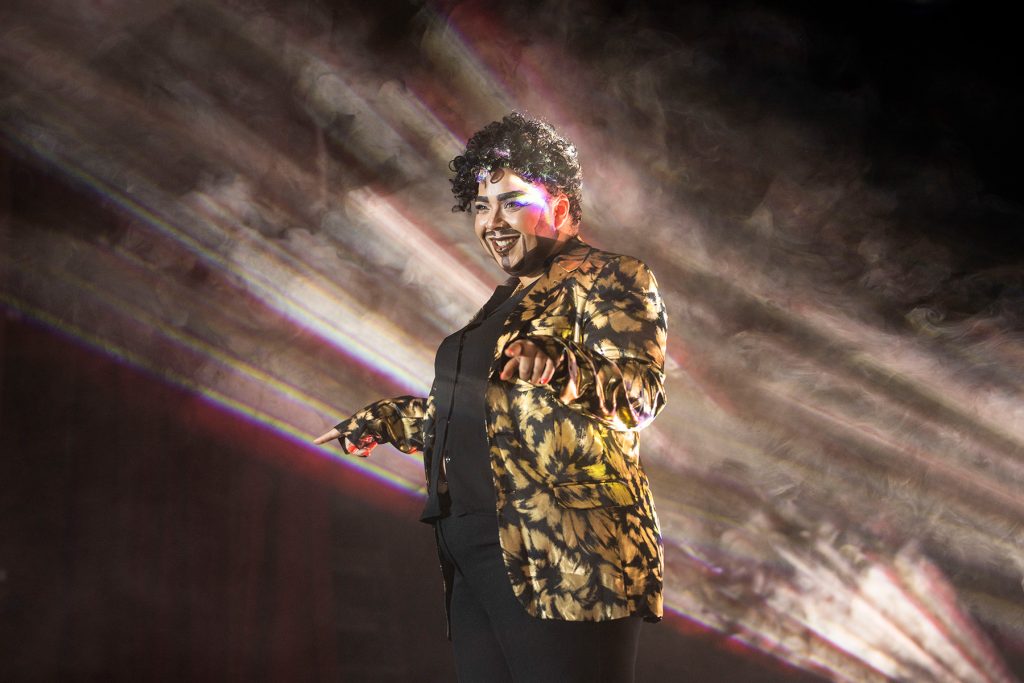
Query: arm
point(614, 371)
point(398, 421)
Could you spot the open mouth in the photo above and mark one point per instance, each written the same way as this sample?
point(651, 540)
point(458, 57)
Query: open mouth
point(503, 245)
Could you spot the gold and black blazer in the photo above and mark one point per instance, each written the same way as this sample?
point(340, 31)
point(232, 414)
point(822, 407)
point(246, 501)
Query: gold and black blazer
point(576, 520)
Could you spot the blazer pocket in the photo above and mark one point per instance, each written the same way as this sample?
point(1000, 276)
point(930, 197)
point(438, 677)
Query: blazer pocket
point(598, 494)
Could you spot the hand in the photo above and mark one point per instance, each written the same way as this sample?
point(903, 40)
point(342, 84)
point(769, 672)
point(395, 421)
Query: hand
point(362, 449)
point(529, 362)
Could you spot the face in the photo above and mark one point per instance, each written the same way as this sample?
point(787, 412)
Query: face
point(519, 223)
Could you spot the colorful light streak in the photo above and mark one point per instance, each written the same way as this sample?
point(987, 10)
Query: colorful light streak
point(296, 436)
point(832, 617)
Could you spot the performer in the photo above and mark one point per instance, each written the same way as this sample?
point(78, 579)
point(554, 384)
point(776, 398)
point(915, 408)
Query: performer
point(545, 525)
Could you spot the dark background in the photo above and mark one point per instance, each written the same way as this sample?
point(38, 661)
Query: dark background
point(161, 514)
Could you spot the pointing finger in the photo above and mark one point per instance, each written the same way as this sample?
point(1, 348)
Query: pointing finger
point(329, 436)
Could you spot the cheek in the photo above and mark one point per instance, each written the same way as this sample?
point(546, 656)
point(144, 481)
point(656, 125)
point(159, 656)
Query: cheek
point(479, 232)
point(528, 223)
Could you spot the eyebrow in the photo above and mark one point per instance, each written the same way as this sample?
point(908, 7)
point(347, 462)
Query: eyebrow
point(501, 197)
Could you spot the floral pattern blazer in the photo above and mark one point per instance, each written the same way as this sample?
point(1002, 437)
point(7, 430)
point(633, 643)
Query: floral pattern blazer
point(576, 520)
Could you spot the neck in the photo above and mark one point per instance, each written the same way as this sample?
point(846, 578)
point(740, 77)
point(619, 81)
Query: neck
point(525, 280)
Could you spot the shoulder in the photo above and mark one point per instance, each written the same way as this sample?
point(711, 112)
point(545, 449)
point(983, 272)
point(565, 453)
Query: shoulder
point(591, 265)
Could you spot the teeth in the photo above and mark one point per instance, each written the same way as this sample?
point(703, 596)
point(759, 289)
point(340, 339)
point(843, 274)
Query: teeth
point(503, 243)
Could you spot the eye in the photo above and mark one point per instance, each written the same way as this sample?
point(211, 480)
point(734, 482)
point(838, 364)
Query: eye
point(481, 208)
point(515, 204)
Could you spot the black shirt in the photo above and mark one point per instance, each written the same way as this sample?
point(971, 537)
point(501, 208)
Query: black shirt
point(461, 368)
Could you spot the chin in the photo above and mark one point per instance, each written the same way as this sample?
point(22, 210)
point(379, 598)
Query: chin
point(513, 269)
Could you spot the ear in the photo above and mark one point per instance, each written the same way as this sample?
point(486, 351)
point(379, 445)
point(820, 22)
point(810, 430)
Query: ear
point(561, 217)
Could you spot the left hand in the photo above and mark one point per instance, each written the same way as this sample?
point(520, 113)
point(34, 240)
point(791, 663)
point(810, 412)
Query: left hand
point(362, 448)
point(529, 362)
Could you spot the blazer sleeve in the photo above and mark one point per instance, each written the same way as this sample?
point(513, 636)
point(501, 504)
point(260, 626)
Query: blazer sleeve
point(614, 369)
point(397, 421)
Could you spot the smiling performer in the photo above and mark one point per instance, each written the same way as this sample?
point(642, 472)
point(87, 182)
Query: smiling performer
point(546, 530)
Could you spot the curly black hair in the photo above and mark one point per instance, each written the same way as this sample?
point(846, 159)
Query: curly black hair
point(529, 148)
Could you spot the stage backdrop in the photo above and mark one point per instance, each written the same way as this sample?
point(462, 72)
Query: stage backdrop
point(226, 225)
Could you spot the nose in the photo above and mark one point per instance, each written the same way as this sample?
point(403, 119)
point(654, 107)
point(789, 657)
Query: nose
point(493, 219)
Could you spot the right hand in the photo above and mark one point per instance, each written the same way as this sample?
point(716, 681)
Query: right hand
point(362, 449)
point(529, 362)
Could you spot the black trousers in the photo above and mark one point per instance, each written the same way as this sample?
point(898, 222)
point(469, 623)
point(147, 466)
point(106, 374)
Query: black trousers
point(495, 640)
